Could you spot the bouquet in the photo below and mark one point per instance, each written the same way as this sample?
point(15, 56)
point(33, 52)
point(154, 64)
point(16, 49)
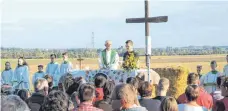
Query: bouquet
point(131, 62)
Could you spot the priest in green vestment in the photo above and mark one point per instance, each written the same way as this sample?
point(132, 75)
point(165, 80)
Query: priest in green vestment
point(108, 58)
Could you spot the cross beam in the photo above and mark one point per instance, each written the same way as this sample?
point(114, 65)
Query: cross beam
point(147, 20)
point(158, 19)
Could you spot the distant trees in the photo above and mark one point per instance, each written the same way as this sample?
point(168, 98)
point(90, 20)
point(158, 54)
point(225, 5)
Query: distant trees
point(93, 53)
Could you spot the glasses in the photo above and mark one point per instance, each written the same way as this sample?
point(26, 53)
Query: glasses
point(194, 86)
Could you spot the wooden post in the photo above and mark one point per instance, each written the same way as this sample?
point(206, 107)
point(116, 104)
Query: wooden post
point(80, 61)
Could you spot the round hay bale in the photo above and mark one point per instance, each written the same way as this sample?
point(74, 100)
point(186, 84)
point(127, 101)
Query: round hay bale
point(177, 77)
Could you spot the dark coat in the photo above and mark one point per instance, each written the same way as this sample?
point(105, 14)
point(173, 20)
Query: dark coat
point(150, 104)
point(103, 105)
point(35, 101)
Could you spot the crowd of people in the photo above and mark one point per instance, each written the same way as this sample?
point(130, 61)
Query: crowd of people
point(204, 92)
point(75, 94)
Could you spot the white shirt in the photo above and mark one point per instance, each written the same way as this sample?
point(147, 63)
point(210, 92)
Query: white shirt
point(108, 56)
point(209, 78)
point(185, 107)
point(217, 95)
point(65, 68)
point(225, 70)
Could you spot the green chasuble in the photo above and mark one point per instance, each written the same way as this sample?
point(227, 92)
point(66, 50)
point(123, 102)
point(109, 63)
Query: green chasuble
point(112, 57)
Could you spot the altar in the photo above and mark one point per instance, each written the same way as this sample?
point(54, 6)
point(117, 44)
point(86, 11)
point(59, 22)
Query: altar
point(118, 76)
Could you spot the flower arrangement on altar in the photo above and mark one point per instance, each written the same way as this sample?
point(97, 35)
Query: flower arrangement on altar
point(131, 62)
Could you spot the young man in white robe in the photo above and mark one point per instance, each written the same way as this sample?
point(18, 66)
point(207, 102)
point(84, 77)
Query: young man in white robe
point(225, 69)
point(108, 58)
point(7, 74)
point(209, 80)
point(39, 74)
point(66, 66)
point(52, 69)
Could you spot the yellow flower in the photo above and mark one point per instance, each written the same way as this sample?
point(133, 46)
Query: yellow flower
point(131, 62)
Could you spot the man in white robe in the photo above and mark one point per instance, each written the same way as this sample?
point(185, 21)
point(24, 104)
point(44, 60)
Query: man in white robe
point(52, 69)
point(108, 58)
point(209, 80)
point(39, 74)
point(66, 66)
point(7, 74)
point(225, 69)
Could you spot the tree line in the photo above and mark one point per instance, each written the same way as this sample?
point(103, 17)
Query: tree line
point(37, 53)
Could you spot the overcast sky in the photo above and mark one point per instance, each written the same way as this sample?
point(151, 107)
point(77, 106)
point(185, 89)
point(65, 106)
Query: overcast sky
point(70, 23)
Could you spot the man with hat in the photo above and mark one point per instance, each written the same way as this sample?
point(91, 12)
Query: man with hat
point(39, 74)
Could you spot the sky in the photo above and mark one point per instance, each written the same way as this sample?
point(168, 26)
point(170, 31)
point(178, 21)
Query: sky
point(70, 23)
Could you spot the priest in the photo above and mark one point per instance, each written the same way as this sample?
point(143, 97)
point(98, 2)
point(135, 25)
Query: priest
point(108, 58)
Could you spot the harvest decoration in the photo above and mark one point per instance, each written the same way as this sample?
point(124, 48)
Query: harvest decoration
point(178, 79)
point(131, 62)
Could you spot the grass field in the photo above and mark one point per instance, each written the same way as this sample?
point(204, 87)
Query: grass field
point(156, 62)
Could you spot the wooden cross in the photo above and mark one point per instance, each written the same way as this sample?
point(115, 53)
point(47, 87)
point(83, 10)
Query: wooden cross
point(147, 20)
point(80, 61)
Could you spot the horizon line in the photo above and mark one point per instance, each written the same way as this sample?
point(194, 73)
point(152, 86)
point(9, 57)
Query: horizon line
point(123, 46)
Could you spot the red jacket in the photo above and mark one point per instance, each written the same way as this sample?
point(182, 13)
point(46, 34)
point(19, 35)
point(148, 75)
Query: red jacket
point(204, 99)
point(99, 94)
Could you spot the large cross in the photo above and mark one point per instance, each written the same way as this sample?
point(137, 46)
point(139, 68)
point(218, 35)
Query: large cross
point(147, 20)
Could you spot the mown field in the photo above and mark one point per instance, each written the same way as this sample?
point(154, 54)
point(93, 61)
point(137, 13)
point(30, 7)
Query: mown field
point(156, 62)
